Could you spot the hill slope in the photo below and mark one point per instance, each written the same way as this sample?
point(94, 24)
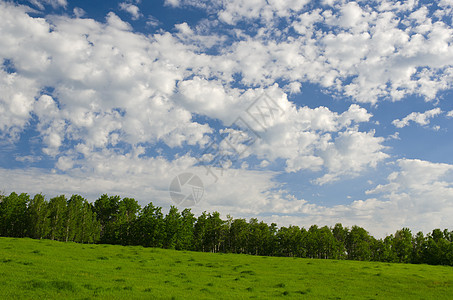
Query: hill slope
point(43, 268)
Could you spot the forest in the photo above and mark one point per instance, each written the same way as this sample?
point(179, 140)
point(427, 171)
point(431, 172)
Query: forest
point(112, 220)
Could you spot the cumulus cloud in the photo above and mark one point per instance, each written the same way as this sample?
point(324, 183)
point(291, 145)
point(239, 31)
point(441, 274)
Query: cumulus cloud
point(367, 52)
point(417, 195)
point(54, 3)
point(350, 153)
point(237, 10)
point(79, 12)
point(132, 9)
point(419, 118)
point(395, 136)
point(16, 103)
point(174, 3)
point(93, 68)
point(113, 86)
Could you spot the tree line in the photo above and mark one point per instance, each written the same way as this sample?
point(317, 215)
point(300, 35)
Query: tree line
point(113, 220)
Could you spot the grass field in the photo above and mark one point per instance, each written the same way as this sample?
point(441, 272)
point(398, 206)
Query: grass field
point(47, 269)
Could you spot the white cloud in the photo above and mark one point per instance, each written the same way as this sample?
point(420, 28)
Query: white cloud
point(395, 136)
point(351, 15)
point(93, 69)
point(79, 12)
point(131, 9)
point(419, 118)
point(28, 158)
point(209, 97)
point(237, 10)
point(446, 3)
point(305, 138)
point(420, 195)
point(16, 103)
point(384, 51)
point(416, 196)
point(54, 3)
point(264, 163)
point(350, 153)
point(152, 21)
point(174, 3)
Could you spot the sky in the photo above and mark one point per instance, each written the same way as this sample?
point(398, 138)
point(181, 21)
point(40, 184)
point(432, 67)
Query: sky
point(296, 112)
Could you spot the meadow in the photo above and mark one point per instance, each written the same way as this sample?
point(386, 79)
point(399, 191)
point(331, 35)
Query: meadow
point(34, 269)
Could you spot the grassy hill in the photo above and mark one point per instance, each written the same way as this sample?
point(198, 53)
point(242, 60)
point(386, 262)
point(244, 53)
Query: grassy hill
point(48, 269)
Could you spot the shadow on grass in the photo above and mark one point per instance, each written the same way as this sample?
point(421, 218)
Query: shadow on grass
point(59, 285)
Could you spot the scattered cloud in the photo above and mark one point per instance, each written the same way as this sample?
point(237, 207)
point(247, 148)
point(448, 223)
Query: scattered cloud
point(28, 158)
point(367, 52)
point(152, 21)
point(54, 3)
point(419, 118)
point(79, 12)
point(395, 136)
point(174, 3)
point(131, 9)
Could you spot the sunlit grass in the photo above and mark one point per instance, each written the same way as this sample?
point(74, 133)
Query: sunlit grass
point(47, 269)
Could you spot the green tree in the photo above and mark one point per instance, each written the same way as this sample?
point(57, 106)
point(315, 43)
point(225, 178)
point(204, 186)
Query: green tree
point(327, 243)
point(186, 233)
point(81, 224)
point(448, 235)
point(73, 218)
point(388, 251)
point(266, 238)
point(149, 227)
point(38, 216)
point(13, 215)
point(340, 234)
point(128, 209)
point(90, 226)
point(172, 225)
point(107, 209)
point(358, 244)
point(272, 243)
point(57, 213)
point(418, 248)
point(238, 236)
point(402, 243)
point(437, 249)
point(200, 233)
point(312, 242)
point(258, 237)
point(215, 232)
point(291, 241)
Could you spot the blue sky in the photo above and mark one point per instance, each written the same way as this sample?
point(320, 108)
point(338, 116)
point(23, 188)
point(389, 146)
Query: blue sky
point(348, 105)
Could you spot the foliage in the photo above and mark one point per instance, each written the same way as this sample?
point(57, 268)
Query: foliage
point(113, 220)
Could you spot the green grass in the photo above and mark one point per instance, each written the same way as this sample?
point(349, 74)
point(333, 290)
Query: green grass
point(47, 269)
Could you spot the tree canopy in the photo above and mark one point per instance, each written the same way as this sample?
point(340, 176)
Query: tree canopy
point(113, 220)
